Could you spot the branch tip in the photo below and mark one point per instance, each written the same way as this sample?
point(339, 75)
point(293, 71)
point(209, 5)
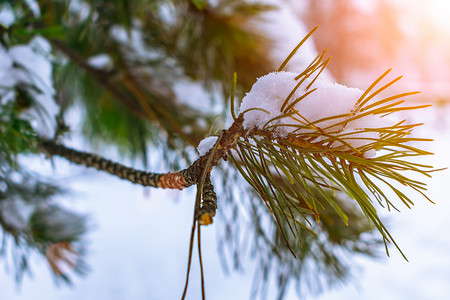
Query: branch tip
point(205, 219)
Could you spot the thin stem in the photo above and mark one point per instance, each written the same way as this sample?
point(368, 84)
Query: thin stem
point(202, 276)
point(198, 196)
point(191, 246)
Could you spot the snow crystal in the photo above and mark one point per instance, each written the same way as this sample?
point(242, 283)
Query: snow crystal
point(206, 144)
point(263, 104)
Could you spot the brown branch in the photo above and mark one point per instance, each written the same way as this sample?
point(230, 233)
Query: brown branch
point(169, 180)
point(172, 180)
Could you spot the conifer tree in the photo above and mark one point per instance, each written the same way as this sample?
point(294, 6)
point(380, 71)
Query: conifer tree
point(308, 175)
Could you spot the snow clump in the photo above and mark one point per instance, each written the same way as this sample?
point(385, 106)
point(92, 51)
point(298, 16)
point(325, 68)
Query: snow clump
point(265, 100)
point(206, 144)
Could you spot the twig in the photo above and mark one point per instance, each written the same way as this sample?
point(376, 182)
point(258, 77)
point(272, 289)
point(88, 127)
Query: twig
point(202, 275)
point(191, 246)
point(204, 174)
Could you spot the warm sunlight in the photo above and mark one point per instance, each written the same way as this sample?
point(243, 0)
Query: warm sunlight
point(426, 23)
point(433, 14)
point(439, 13)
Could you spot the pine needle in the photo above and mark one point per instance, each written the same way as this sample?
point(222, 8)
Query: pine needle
point(233, 91)
point(296, 49)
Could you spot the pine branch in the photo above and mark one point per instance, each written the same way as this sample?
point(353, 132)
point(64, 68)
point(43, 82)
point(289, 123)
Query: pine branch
point(167, 180)
point(102, 77)
point(132, 94)
point(302, 147)
point(172, 180)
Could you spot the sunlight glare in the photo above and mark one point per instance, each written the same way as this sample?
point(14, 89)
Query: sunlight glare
point(434, 14)
point(439, 13)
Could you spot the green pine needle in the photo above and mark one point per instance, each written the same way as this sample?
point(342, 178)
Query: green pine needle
point(285, 171)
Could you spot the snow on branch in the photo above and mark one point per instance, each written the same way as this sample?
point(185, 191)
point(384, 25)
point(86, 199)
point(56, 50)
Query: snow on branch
point(291, 103)
point(303, 134)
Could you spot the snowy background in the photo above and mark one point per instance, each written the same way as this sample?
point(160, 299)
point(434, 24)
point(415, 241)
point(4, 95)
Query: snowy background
point(135, 254)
